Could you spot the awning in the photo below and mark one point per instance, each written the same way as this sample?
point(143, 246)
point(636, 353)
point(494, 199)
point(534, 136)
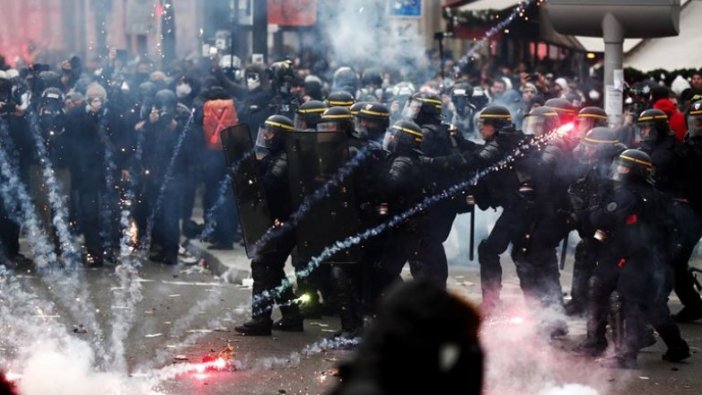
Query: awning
point(674, 52)
point(455, 3)
point(550, 35)
point(480, 5)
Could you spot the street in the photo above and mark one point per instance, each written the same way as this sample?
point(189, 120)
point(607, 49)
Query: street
point(187, 313)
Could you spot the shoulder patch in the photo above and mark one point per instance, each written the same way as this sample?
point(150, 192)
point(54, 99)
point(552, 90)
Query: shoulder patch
point(611, 206)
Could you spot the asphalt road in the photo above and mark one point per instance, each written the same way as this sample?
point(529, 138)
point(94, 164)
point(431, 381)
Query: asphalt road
point(186, 314)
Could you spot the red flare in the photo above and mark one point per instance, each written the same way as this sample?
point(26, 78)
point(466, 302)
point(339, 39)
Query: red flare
point(632, 219)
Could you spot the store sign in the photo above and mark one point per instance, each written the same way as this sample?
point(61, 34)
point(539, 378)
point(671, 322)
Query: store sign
point(405, 8)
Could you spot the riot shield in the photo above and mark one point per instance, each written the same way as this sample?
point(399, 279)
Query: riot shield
point(254, 214)
point(313, 159)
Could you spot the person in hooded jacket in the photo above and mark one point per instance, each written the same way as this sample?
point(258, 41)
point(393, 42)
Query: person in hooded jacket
point(660, 100)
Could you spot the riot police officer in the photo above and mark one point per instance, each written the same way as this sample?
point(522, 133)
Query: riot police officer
point(309, 114)
point(403, 188)
point(634, 232)
point(440, 140)
point(595, 154)
point(669, 159)
point(267, 268)
point(499, 189)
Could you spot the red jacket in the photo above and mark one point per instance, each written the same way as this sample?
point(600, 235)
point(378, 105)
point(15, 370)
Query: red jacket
point(676, 119)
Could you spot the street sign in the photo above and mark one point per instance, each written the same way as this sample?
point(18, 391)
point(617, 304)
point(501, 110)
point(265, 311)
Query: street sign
point(405, 8)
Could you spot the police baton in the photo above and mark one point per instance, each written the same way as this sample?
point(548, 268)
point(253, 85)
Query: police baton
point(564, 251)
point(471, 201)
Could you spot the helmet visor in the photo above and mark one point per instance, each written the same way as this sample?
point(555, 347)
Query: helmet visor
point(583, 125)
point(646, 131)
point(412, 109)
point(300, 122)
point(389, 141)
point(265, 136)
point(694, 125)
point(534, 125)
point(360, 128)
point(328, 127)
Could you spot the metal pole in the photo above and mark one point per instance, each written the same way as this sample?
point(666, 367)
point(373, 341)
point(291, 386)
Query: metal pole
point(260, 28)
point(235, 29)
point(613, 73)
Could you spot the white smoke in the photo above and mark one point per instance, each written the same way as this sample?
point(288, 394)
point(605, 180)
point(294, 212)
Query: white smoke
point(517, 346)
point(361, 34)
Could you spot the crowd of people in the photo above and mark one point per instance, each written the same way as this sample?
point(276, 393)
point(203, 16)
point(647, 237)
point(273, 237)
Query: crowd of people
point(128, 138)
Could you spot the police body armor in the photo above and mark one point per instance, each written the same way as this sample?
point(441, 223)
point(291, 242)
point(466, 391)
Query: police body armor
point(314, 159)
point(254, 213)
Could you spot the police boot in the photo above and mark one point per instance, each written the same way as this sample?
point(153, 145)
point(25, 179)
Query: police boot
point(291, 321)
point(677, 353)
point(258, 326)
point(688, 314)
point(678, 349)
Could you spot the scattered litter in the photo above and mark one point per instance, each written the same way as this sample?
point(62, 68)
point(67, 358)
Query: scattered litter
point(317, 323)
point(221, 330)
point(174, 295)
point(148, 311)
point(247, 282)
point(153, 335)
point(328, 330)
point(167, 322)
point(199, 331)
point(181, 358)
point(644, 377)
point(171, 346)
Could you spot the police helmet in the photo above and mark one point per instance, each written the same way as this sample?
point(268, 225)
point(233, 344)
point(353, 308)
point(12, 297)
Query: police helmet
point(540, 121)
point(270, 133)
point(633, 166)
point(565, 109)
point(371, 121)
point(309, 114)
point(588, 118)
point(497, 116)
point(340, 99)
point(599, 143)
point(336, 119)
point(403, 137)
point(423, 108)
point(652, 125)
